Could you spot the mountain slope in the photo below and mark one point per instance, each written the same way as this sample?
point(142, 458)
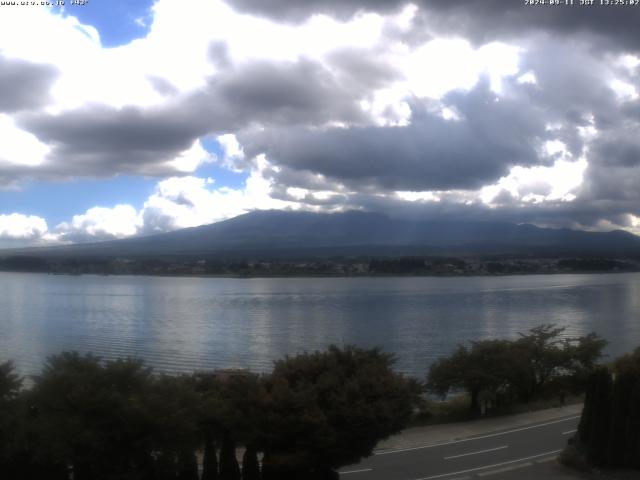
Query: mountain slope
point(288, 234)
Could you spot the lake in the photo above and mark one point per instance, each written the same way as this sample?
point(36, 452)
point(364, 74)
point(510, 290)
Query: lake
point(184, 324)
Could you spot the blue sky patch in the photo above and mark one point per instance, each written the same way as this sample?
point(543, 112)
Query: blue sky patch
point(59, 201)
point(118, 21)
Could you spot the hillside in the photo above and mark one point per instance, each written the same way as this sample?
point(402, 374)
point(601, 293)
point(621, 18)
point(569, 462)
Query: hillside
point(281, 234)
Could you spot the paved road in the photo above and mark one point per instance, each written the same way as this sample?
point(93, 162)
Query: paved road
point(486, 455)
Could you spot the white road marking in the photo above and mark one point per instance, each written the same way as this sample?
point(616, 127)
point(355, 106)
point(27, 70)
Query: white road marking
point(545, 460)
point(477, 453)
point(505, 469)
point(356, 471)
point(491, 435)
point(442, 475)
point(569, 432)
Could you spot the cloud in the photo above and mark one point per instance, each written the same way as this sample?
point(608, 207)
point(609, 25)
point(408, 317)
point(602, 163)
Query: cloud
point(24, 85)
point(19, 147)
point(429, 153)
point(182, 202)
point(102, 141)
point(100, 223)
point(614, 26)
point(99, 140)
point(444, 108)
point(149, 120)
point(16, 226)
point(291, 10)
point(485, 22)
point(177, 202)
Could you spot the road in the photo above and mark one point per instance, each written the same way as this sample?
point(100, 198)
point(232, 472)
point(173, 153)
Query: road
point(480, 456)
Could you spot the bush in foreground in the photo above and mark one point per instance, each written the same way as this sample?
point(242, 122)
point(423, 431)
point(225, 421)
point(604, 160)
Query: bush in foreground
point(609, 430)
point(116, 420)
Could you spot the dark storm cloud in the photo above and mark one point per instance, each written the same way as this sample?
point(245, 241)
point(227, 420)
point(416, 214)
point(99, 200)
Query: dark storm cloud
point(100, 140)
point(296, 10)
point(430, 153)
point(290, 92)
point(490, 19)
point(24, 85)
point(482, 21)
point(623, 151)
point(570, 80)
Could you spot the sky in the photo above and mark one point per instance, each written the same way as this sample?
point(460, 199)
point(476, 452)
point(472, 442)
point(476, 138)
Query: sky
point(124, 117)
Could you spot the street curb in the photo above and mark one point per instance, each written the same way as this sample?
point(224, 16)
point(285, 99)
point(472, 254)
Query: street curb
point(428, 436)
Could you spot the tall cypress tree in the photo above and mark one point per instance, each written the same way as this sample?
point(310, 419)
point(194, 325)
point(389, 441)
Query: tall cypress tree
point(187, 465)
point(250, 466)
point(632, 451)
point(619, 436)
point(599, 428)
point(229, 468)
point(588, 412)
point(210, 460)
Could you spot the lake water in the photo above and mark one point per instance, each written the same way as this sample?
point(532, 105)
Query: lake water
point(184, 324)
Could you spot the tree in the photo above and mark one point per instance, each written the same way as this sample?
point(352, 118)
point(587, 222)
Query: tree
point(230, 412)
point(172, 407)
point(250, 465)
point(499, 370)
point(594, 423)
point(113, 419)
point(229, 468)
point(609, 429)
point(11, 427)
point(210, 459)
point(10, 382)
point(329, 409)
point(626, 412)
point(540, 356)
point(485, 367)
point(187, 465)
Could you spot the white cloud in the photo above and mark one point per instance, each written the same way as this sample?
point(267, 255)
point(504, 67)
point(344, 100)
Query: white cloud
point(189, 160)
point(19, 147)
point(181, 202)
point(539, 184)
point(528, 78)
point(17, 226)
point(233, 152)
point(625, 91)
point(100, 223)
point(443, 65)
point(417, 196)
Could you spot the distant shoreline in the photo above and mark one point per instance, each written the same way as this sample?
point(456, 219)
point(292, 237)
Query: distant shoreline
point(274, 276)
point(335, 267)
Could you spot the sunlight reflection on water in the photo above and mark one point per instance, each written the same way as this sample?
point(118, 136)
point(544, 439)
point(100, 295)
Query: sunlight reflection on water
point(183, 324)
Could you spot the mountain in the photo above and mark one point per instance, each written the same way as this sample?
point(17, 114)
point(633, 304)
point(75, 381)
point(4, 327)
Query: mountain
point(284, 234)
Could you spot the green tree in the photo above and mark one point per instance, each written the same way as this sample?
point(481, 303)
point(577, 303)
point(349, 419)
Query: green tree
point(230, 412)
point(485, 367)
point(11, 427)
point(112, 420)
point(539, 355)
point(609, 427)
point(10, 382)
point(250, 465)
point(329, 409)
point(541, 361)
point(210, 458)
point(172, 407)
